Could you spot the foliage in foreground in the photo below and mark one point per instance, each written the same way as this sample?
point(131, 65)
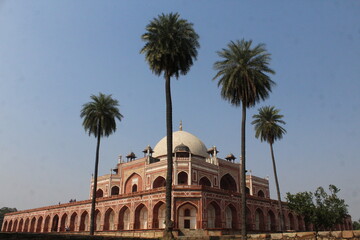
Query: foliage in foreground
point(321, 209)
point(356, 225)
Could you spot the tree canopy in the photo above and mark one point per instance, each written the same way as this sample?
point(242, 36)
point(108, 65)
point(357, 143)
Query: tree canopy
point(321, 209)
point(3, 211)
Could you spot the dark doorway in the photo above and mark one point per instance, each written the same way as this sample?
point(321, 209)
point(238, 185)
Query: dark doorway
point(187, 223)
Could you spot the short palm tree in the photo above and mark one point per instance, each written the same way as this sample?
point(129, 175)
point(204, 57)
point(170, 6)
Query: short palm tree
point(99, 120)
point(170, 48)
point(267, 127)
point(242, 76)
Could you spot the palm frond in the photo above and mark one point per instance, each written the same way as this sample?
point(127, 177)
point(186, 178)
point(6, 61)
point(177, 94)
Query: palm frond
point(170, 45)
point(267, 124)
point(102, 113)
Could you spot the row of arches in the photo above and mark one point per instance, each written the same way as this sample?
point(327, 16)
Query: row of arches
point(139, 218)
point(124, 219)
point(227, 182)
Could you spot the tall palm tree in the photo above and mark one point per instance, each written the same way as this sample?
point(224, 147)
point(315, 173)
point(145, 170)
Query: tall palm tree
point(268, 129)
point(242, 74)
point(99, 120)
point(170, 48)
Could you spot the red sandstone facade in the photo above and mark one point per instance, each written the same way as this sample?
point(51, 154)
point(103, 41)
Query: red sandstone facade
point(206, 195)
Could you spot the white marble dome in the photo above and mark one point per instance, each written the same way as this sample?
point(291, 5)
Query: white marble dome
point(196, 146)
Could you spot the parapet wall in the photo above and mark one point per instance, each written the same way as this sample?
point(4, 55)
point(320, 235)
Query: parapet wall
point(326, 235)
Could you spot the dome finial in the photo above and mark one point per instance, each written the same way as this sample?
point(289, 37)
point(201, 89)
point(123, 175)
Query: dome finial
point(180, 127)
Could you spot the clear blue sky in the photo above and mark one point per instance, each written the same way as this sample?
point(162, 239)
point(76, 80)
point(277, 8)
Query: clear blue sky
point(55, 54)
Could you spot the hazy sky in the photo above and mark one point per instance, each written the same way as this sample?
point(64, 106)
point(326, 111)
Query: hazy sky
point(55, 54)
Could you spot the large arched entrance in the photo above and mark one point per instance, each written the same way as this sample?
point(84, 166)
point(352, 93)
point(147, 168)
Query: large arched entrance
point(63, 222)
point(124, 218)
point(97, 222)
point(20, 227)
point(109, 220)
point(14, 228)
point(39, 224)
point(231, 220)
point(84, 222)
point(271, 222)
point(214, 215)
point(32, 224)
point(26, 227)
point(46, 224)
point(9, 229)
point(259, 220)
point(159, 215)
point(227, 182)
point(73, 221)
point(55, 223)
point(187, 216)
point(141, 216)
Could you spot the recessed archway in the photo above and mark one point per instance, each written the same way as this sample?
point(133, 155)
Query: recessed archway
point(73, 221)
point(84, 221)
point(99, 193)
point(32, 224)
point(227, 182)
point(204, 181)
point(46, 224)
point(159, 215)
point(159, 182)
point(109, 220)
point(9, 229)
point(133, 179)
point(187, 216)
point(271, 222)
point(259, 220)
point(20, 227)
point(39, 224)
point(231, 219)
point(63, 222)
point(97, 222)
point(26, 227)
point(182, 178)
point(141, 217)
point(214, 215)
point(14, 228)
point(261, 193)
point(115, 190)
point(124, 218)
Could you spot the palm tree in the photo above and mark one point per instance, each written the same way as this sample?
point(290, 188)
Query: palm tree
point(268, 129)
point(99, 119)
point(171, 45)
point(243, 79)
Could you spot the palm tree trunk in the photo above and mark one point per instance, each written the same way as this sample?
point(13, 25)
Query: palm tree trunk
point(169, 174)
point(92, 214)
point(243, 175)
point(277, 189)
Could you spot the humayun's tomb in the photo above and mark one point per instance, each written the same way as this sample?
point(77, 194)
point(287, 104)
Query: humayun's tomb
point(206, 196)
